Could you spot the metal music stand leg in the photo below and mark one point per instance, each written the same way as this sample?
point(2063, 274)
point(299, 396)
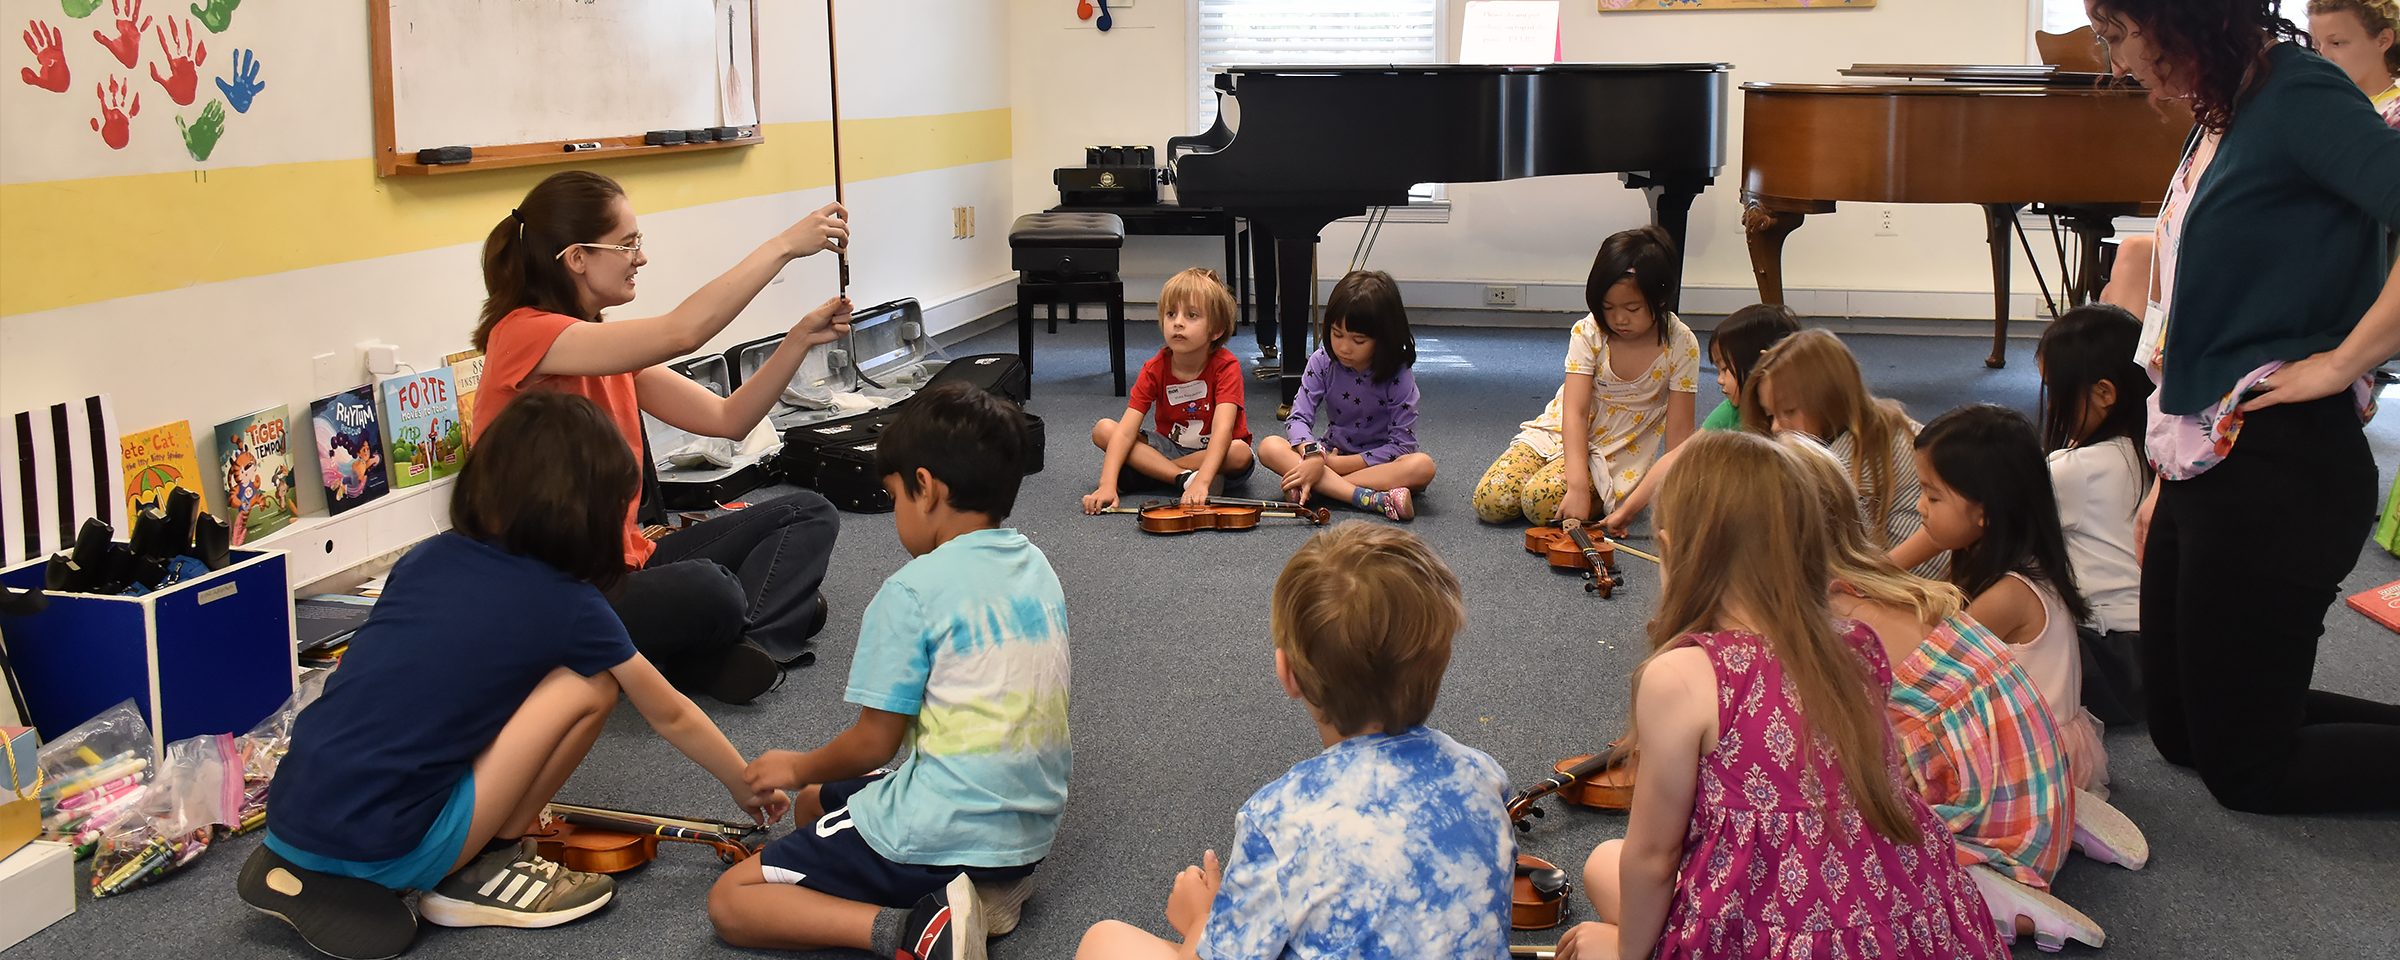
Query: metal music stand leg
point(1025, 324)
point(1116, 333)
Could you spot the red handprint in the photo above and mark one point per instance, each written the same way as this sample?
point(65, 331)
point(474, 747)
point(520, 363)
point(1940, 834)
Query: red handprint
point(183, 49)
point(115, 121)
point(42, 39)
point(127, 44)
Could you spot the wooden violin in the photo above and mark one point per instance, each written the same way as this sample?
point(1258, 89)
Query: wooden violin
point(1568, 547)
point(596, 840)
point(1603, 781)
point(1538, 896)
point(1218, 514)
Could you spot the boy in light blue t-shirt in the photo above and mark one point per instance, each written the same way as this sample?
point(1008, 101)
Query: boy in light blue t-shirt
point(961, 672)
point(1392, 844)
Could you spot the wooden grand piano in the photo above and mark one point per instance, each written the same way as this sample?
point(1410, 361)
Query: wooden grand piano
point(1316, 144)
point(1998, 137)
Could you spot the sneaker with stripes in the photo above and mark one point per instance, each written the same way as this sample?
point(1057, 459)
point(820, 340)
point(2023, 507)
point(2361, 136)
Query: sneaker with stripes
point(514, 888)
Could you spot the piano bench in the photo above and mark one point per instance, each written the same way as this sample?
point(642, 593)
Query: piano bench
point(1069, 258)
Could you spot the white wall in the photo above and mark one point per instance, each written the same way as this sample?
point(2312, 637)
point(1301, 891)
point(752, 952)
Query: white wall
point(212, 351)
point(1076, 86)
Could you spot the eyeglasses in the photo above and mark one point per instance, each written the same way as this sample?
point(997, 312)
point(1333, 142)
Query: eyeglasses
point(634, 247)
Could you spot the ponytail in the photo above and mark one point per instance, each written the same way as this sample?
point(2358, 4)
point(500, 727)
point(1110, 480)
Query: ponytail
point(520, 256)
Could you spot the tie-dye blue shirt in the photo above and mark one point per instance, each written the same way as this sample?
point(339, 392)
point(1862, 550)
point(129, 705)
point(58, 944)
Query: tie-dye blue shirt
point(1383, 846)
point(971, 641)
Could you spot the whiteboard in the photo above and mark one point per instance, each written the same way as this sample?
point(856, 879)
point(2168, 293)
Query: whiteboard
point(491, 72)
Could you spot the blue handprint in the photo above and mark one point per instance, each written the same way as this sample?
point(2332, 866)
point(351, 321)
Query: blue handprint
point(245, 85)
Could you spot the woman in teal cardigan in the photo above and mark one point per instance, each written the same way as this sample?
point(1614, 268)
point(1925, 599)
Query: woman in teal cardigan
point(2270, 301)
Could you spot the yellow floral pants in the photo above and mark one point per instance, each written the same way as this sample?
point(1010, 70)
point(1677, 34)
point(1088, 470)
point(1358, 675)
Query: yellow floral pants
point(1522, 483)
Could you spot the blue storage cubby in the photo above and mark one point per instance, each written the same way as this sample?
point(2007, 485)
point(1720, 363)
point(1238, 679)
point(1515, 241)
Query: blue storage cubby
point(206, 656)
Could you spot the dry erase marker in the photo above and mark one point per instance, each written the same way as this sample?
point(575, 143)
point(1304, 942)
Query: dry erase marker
point(580, 147)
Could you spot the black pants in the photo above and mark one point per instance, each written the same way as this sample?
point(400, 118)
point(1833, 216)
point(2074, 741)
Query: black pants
point(752, 573)
point(2242, 563)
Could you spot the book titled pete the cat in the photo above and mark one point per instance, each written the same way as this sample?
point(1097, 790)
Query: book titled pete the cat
point(425, 439)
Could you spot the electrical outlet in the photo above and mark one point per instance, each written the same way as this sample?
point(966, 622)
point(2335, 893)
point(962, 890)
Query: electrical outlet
point(321, 371)
point(962, 222)
point(1501, 295)
point(1884, 225)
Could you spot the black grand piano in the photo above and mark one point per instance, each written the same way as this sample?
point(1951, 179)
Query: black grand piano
point(1316, 144)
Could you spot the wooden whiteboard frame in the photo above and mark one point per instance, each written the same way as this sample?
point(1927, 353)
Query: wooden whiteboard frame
point(389, 162)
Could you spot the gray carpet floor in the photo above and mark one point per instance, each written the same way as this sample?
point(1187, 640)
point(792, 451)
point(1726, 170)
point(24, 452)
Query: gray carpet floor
point(1177, 717)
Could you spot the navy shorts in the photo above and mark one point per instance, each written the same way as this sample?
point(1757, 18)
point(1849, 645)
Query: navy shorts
point(829, 856)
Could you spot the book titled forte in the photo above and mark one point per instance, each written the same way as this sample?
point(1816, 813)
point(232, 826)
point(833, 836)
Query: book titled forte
point(425, 439)
point(254, 461)
point(349, 448)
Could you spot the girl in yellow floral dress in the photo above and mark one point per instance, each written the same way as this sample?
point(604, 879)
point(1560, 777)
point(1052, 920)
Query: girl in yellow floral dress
point(1633, 370)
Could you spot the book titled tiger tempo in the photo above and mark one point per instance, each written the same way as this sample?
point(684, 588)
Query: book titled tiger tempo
point(254, 460)
point(425, 440)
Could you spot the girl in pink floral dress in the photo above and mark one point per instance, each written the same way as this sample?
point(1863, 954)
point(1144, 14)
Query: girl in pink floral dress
point(1771, 817)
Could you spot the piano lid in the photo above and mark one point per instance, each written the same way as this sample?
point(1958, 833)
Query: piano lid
point(2037, 74)
point(1292, 69)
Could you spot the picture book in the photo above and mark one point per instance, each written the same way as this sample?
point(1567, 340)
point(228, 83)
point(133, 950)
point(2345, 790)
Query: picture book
point(2381, 604)
point(255, 462)
point(158, 461)
point(349, 448)
point(466, 373)
point(424, 439)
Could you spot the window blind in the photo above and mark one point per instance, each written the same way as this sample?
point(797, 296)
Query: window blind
point(1248, 32)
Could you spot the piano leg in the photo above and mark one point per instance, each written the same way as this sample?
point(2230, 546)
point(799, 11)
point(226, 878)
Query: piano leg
point(1295, 260)
point(1765, 229)
point(1262, 276)
point(1670, 196)
point(1998, 219)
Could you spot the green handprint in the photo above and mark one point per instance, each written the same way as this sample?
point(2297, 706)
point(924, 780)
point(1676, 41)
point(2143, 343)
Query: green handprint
point(216, 16)
point(79, 9)
point(201, 138)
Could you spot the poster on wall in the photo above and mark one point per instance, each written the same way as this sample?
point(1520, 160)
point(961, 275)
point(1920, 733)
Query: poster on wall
point(1627, 6)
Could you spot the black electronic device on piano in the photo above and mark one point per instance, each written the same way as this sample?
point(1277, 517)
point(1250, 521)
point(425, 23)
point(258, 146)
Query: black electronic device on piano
point(1315, 144)
point(1110, 177)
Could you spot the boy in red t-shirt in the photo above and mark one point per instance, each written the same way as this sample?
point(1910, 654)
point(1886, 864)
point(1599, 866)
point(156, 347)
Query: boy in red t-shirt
point(1195, 387)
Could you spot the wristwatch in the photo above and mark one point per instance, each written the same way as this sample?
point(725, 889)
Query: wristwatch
point(1309, 448)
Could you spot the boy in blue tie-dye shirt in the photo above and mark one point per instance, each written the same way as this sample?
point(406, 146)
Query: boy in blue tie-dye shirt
point(1395, 841)
point(961, 674)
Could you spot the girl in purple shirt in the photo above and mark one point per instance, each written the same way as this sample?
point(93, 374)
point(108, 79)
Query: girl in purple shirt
point(1366, 452)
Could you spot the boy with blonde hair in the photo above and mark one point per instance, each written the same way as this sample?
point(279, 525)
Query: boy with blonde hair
point(1395, 841)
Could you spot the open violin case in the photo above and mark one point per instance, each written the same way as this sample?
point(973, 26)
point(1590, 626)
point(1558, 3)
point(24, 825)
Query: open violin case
point(834, 411)
point(696, 472)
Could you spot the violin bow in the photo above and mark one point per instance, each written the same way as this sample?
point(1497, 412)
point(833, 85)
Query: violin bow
point(1522, 806)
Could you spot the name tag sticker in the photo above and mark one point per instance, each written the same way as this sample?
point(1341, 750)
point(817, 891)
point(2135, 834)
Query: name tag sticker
point(1187, 391)
point(214, 594)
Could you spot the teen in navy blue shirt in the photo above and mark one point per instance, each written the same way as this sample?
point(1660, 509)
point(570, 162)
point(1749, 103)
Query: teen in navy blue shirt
point(486, 671)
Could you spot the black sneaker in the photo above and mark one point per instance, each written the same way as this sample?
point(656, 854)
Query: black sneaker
point(945, 925)
point(340, 916)
point(514, 888)
point(742, 672)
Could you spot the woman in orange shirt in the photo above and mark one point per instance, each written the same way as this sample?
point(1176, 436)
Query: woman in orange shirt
point(709, 602)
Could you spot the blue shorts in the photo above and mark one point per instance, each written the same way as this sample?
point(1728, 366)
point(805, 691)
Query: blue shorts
point(829, 856)
point(418, 869)
point(1168, 448)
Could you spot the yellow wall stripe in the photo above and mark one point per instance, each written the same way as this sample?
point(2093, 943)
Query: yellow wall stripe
point(82, 241)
